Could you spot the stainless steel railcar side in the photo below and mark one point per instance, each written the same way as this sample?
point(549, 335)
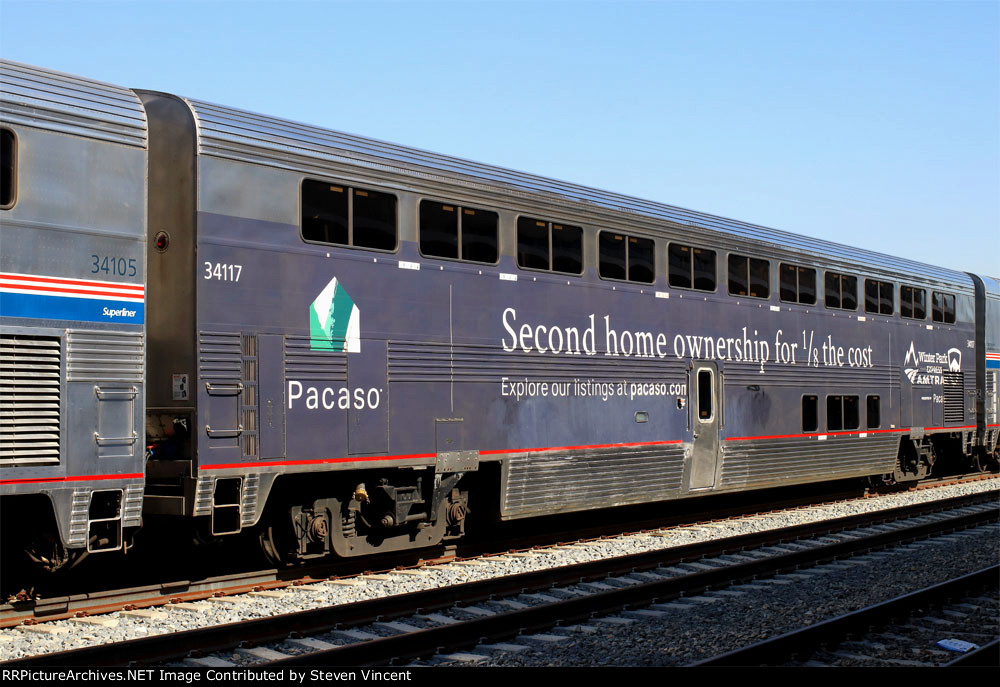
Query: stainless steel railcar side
point(357, 389)
point(71, 310)
point(417, 395)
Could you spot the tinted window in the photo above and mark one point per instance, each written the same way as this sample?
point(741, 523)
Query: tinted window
point(841, 291)
point(705, 395)
point(567, 249)
point(611, 250)
point(797, 284)
point(842, 412)
point(550, 246)
point(810, 414)
point(449, 231)
point(480, 235)
point(532, 243)
point(912, 302)
point(874, 412)
point(640, 260)
point(348, 216)
point(625, 257)
point(879, 297)
point(324, 212)
point(690, 267)
point(749, 276)
point(374, 220)
point(943, 308)
point(7, 171)
point(438, 229)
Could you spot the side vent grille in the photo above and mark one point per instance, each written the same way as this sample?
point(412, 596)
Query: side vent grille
point(251, 446)
point(953, 386)
point(29, 399)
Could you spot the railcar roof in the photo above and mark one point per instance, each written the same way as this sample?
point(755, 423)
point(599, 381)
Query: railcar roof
point(70, 104)
point(238, 134)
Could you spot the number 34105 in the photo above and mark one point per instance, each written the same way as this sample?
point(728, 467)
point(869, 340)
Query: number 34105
point(111, 264)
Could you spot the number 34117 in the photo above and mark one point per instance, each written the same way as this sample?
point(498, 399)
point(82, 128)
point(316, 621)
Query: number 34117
point(222, 271)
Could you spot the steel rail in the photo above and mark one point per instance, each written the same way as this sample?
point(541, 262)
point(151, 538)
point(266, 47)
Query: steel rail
point(783, 648)
point(222, 637)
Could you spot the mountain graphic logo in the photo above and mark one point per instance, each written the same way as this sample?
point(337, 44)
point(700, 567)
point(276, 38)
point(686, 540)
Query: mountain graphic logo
point(334, 321)
point(911, 359)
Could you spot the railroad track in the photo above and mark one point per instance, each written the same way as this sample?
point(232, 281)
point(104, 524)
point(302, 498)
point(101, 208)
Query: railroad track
point(455, 617)
point(30, 610)
point(894, 633)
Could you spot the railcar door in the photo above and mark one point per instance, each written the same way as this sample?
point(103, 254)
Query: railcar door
point(705, 425)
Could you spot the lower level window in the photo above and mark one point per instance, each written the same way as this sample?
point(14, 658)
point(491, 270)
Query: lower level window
point(842, 413)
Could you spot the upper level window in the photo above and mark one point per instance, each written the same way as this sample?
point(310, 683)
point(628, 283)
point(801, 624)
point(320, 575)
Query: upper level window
point(942, 307)
point(879, 297)
point(450, 231)
point(797, 284)
point(841, 291)
point(348, 216)
point(625, 257)
point(749, 276)
point(912, 302)
point(543, 245)
point(690, 267)
point(8, 149)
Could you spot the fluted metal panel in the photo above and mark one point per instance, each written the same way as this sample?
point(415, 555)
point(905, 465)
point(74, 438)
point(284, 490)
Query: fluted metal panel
point(417, 361)
point(51, 100)
point(774, 462)
point(102, 356)
point(132, 506)
point(741, 374)
point(220, 356)
point(244, 136)
point(303, 363)
point(30, 399)
point(555, 482)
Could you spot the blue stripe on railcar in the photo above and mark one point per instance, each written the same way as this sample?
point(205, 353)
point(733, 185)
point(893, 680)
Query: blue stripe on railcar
point(61, 308)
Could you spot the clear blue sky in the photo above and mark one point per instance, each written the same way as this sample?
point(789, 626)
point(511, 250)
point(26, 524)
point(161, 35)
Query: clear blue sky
point(875, 124)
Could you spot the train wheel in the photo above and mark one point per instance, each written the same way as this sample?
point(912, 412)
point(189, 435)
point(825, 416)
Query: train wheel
point(275, 543)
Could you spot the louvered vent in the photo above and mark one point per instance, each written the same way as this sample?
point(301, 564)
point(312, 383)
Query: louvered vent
point(953, 386)
point(29, 399)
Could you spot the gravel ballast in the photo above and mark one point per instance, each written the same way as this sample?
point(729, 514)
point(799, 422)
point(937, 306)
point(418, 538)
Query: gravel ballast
point(663, 640)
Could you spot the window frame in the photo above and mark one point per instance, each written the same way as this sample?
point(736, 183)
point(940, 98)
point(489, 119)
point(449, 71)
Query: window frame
point(798, 282)
point(350, 188)
point(843, 415)
point(711, 386)
point(715, 264)
point(892, 287)
point(628, 266)
point(748, 258)
point(944, 312)
point(840, 277)
point(459, 208)
point(802, 414)
point(548, 225)
point(15, 149)
point(868, 412)
point(913, 291)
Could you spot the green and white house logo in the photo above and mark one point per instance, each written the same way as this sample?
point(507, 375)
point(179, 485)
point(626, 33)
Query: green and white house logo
point(334, 321)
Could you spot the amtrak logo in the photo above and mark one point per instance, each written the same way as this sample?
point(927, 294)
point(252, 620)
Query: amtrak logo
point(334, 321)
point(928, 368)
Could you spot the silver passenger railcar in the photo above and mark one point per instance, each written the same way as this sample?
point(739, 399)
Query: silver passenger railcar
point(350, 344)
point(72, 285)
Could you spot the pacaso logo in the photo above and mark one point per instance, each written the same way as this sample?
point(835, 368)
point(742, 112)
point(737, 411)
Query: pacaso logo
point(334, 321)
